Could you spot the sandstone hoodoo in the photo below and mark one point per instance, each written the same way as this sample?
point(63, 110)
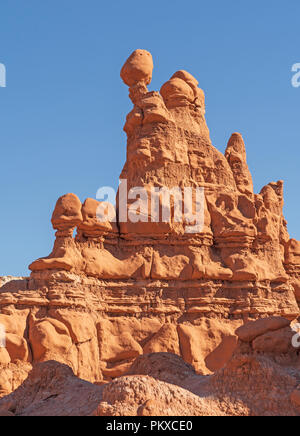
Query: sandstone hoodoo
point(122, 288)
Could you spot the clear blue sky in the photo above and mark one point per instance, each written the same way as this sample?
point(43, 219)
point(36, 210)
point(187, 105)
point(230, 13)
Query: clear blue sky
point(64, 107)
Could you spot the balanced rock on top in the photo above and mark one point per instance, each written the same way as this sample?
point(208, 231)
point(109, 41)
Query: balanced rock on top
point(138, 68)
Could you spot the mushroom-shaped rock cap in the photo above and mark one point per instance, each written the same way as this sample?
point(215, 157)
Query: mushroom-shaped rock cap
point(189, 79)
point(67, 212)
point(176, 92)
point(138, 68)
point(193, 83)
point(92, 224)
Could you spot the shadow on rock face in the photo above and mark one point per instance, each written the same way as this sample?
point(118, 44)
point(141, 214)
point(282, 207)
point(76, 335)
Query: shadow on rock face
point(10, 284)
point(260, 379)
point(52, 389)
point(166, 367)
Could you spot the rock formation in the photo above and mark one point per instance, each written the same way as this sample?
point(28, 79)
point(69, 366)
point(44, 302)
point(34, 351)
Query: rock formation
point(123, 288)
point(261, 378)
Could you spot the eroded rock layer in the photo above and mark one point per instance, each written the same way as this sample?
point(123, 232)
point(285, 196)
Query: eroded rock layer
point(123, 288)
point(261, 378)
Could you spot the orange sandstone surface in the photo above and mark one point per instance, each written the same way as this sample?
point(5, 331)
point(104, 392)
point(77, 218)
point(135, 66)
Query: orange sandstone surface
point(136, 318)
